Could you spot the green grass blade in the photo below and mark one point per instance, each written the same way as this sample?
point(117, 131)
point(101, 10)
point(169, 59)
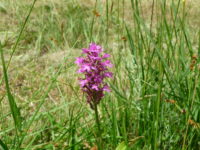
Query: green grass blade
point(20, 34)
point(13, 106)
point(21, 31)
point(131, 43)
point(3, 145)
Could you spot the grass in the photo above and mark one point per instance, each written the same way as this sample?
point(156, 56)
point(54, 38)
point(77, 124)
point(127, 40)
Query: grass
point(155, 98)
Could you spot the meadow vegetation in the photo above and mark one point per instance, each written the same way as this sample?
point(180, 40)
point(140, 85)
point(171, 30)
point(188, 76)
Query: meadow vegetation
point(155, 98)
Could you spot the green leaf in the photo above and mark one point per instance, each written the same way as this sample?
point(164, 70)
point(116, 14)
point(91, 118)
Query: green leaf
point(13, 106)
point(122, 146)
point(3, 146)
point(2, 8)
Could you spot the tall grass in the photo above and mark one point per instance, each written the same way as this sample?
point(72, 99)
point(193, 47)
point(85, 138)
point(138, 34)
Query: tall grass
point(154, 103)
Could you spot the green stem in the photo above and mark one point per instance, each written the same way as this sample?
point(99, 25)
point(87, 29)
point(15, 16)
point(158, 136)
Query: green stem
point(99, 139)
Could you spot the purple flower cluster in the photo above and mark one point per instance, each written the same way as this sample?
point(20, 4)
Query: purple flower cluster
point(95, 69)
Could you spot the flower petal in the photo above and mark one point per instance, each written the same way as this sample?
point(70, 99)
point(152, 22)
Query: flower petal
point(83, 83)
point(79, 60)
point(108, 74)
point(106, 56)
point(106, 88)
point(95, 87)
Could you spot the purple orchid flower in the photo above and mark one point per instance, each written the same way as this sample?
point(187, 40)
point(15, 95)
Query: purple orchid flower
point(94, 66)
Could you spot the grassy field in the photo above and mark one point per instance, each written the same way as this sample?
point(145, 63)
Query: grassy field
point(155, 98)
